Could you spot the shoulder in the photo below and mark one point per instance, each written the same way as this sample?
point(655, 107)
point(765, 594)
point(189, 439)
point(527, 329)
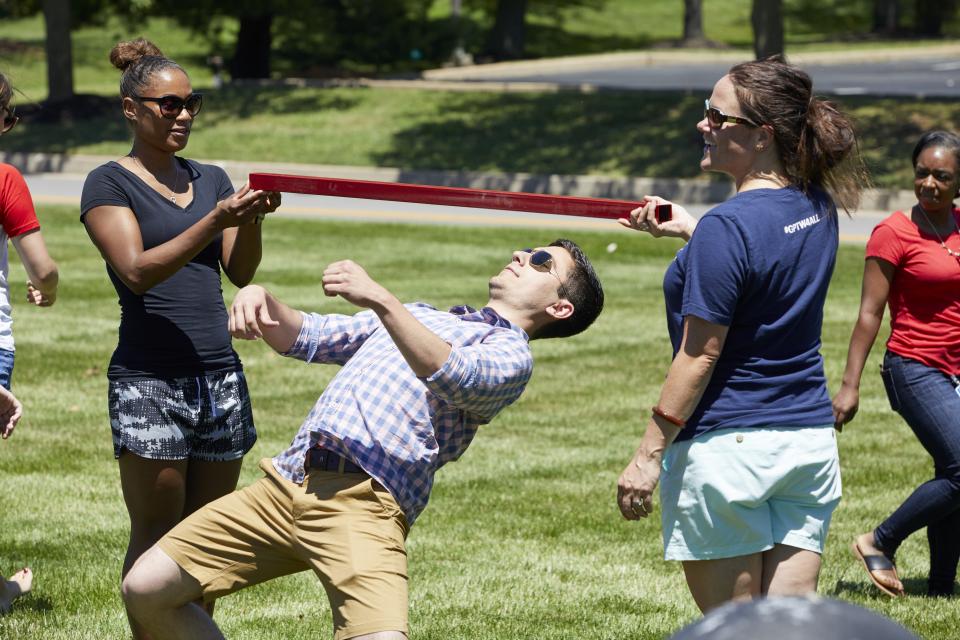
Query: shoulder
point(8, 170)
point(200, 169)
point(108, 172)
point(11, 178)
point(898, 223)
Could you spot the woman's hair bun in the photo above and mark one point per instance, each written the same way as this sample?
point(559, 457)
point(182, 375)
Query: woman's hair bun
point(129, 52)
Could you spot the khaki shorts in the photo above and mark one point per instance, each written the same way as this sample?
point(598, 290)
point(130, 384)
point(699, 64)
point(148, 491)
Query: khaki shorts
point(344, 526)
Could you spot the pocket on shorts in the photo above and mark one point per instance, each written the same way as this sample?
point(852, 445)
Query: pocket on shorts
point(387, 502)
point(886, 374)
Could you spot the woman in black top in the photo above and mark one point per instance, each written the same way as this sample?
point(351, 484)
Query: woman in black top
point(179, 409)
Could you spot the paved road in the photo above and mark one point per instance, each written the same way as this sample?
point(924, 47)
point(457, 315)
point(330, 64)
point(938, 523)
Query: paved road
point(917, 72)
point(57, 188)
point(922, 78)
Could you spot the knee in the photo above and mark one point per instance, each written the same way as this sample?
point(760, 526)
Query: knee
point(153, 585)
point(137, 591)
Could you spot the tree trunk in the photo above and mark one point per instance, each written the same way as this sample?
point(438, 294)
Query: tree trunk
point(767, 19)
point(509, 30)
point(886, 17)
point(251, 57)
point(930, 15)
point(693, 21)
point(56, 16)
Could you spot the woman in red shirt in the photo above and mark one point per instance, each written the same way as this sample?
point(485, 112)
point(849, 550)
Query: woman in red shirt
point(913, 265)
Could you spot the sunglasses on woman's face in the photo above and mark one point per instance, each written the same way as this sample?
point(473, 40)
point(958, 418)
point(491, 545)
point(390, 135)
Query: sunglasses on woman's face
point(10, 119)
point(541, 260)
point(716, 118)
point(171, 106)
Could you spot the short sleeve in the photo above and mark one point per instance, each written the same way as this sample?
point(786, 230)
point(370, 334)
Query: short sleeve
point(16, 205)
point(101, 188)
point(224, 185)
point(717, 267)
point(886, 244)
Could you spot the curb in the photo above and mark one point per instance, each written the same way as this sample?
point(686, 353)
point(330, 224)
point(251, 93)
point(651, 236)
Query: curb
point(682, 190)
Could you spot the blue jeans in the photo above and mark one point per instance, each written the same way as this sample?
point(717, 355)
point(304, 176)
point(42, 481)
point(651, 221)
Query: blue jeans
point(6, 368)
point(926, 399)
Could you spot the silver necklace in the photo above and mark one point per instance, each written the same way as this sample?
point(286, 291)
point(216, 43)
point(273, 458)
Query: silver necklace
point(955, 254)
point(173, 192)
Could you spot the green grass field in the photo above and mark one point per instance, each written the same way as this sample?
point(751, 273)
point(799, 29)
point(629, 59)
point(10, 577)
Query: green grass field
point(521, 539)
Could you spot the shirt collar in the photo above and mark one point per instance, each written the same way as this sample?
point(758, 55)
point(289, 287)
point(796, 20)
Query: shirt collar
point(486, 315)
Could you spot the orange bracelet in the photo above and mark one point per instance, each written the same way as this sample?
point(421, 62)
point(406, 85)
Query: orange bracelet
point(657, 411)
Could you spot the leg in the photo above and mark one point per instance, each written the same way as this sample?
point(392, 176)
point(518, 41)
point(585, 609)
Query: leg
point(886, 579)
point(789, 571)
point(926, 400)
point(240, 540)
point(154, 492)
point(207, 481)
point(944, 554)
point(18, 584)
point(715, 582)
point(161, 597)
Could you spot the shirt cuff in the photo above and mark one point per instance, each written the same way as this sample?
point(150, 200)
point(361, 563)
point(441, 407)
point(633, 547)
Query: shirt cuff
point(453, 377)
point(305, 346)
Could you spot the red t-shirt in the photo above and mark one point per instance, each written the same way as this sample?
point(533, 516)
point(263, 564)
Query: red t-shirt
point(925, 293)
point(17, 214)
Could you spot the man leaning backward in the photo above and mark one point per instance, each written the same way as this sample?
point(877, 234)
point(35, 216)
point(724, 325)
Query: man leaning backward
point(415, 386)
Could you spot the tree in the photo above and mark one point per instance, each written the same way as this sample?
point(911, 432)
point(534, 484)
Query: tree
point(59, 50)
point(693, 22)
point(930, 16)
point(767, 20)
point(886, 17)
point(506, 41)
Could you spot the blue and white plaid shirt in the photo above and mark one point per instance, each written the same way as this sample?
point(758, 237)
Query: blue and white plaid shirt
point(400, 428)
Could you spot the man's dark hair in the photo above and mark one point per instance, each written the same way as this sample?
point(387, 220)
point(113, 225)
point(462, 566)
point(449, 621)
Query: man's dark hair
point(583, 291)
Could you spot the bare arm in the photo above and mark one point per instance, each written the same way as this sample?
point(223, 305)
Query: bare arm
point(42, 274)
point(242, 246)
point(423, 350)
point(116, 233)
point(877, 277)
point(686, 381)
point(256, 313)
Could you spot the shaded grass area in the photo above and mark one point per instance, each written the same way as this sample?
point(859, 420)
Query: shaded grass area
point(649, 133)
point(521, 538)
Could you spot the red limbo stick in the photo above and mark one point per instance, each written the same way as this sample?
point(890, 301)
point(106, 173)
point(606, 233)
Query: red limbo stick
point(450, 196)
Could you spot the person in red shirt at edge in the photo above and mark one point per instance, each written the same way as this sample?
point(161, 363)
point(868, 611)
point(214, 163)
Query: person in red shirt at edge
point(18, 222)
point(913, 265)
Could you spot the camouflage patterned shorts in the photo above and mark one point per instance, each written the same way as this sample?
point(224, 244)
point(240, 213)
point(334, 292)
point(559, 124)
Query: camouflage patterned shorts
point(205, 418)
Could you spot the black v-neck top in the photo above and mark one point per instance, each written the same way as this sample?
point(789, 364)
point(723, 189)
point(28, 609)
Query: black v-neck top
point(179, 327)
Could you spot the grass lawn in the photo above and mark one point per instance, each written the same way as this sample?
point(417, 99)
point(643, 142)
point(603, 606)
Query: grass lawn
point(521, 539)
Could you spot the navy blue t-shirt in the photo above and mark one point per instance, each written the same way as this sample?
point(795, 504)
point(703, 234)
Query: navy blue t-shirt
point(759, 264)
point(179, 327)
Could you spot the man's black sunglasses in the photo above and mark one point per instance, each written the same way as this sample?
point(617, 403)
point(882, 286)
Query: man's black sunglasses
point(171, 106)
point(541, 260)
point(716, 118)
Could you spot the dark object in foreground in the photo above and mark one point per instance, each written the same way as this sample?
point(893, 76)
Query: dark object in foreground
point(793, 618)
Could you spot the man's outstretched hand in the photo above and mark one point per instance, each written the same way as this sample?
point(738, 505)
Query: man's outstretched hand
point(348, 280)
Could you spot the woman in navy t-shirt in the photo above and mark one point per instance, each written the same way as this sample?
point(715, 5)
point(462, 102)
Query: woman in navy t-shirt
point(179, 409)
point(741, 440)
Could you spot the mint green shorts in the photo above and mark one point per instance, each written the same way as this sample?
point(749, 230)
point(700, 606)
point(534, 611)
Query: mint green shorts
point(736, 492)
